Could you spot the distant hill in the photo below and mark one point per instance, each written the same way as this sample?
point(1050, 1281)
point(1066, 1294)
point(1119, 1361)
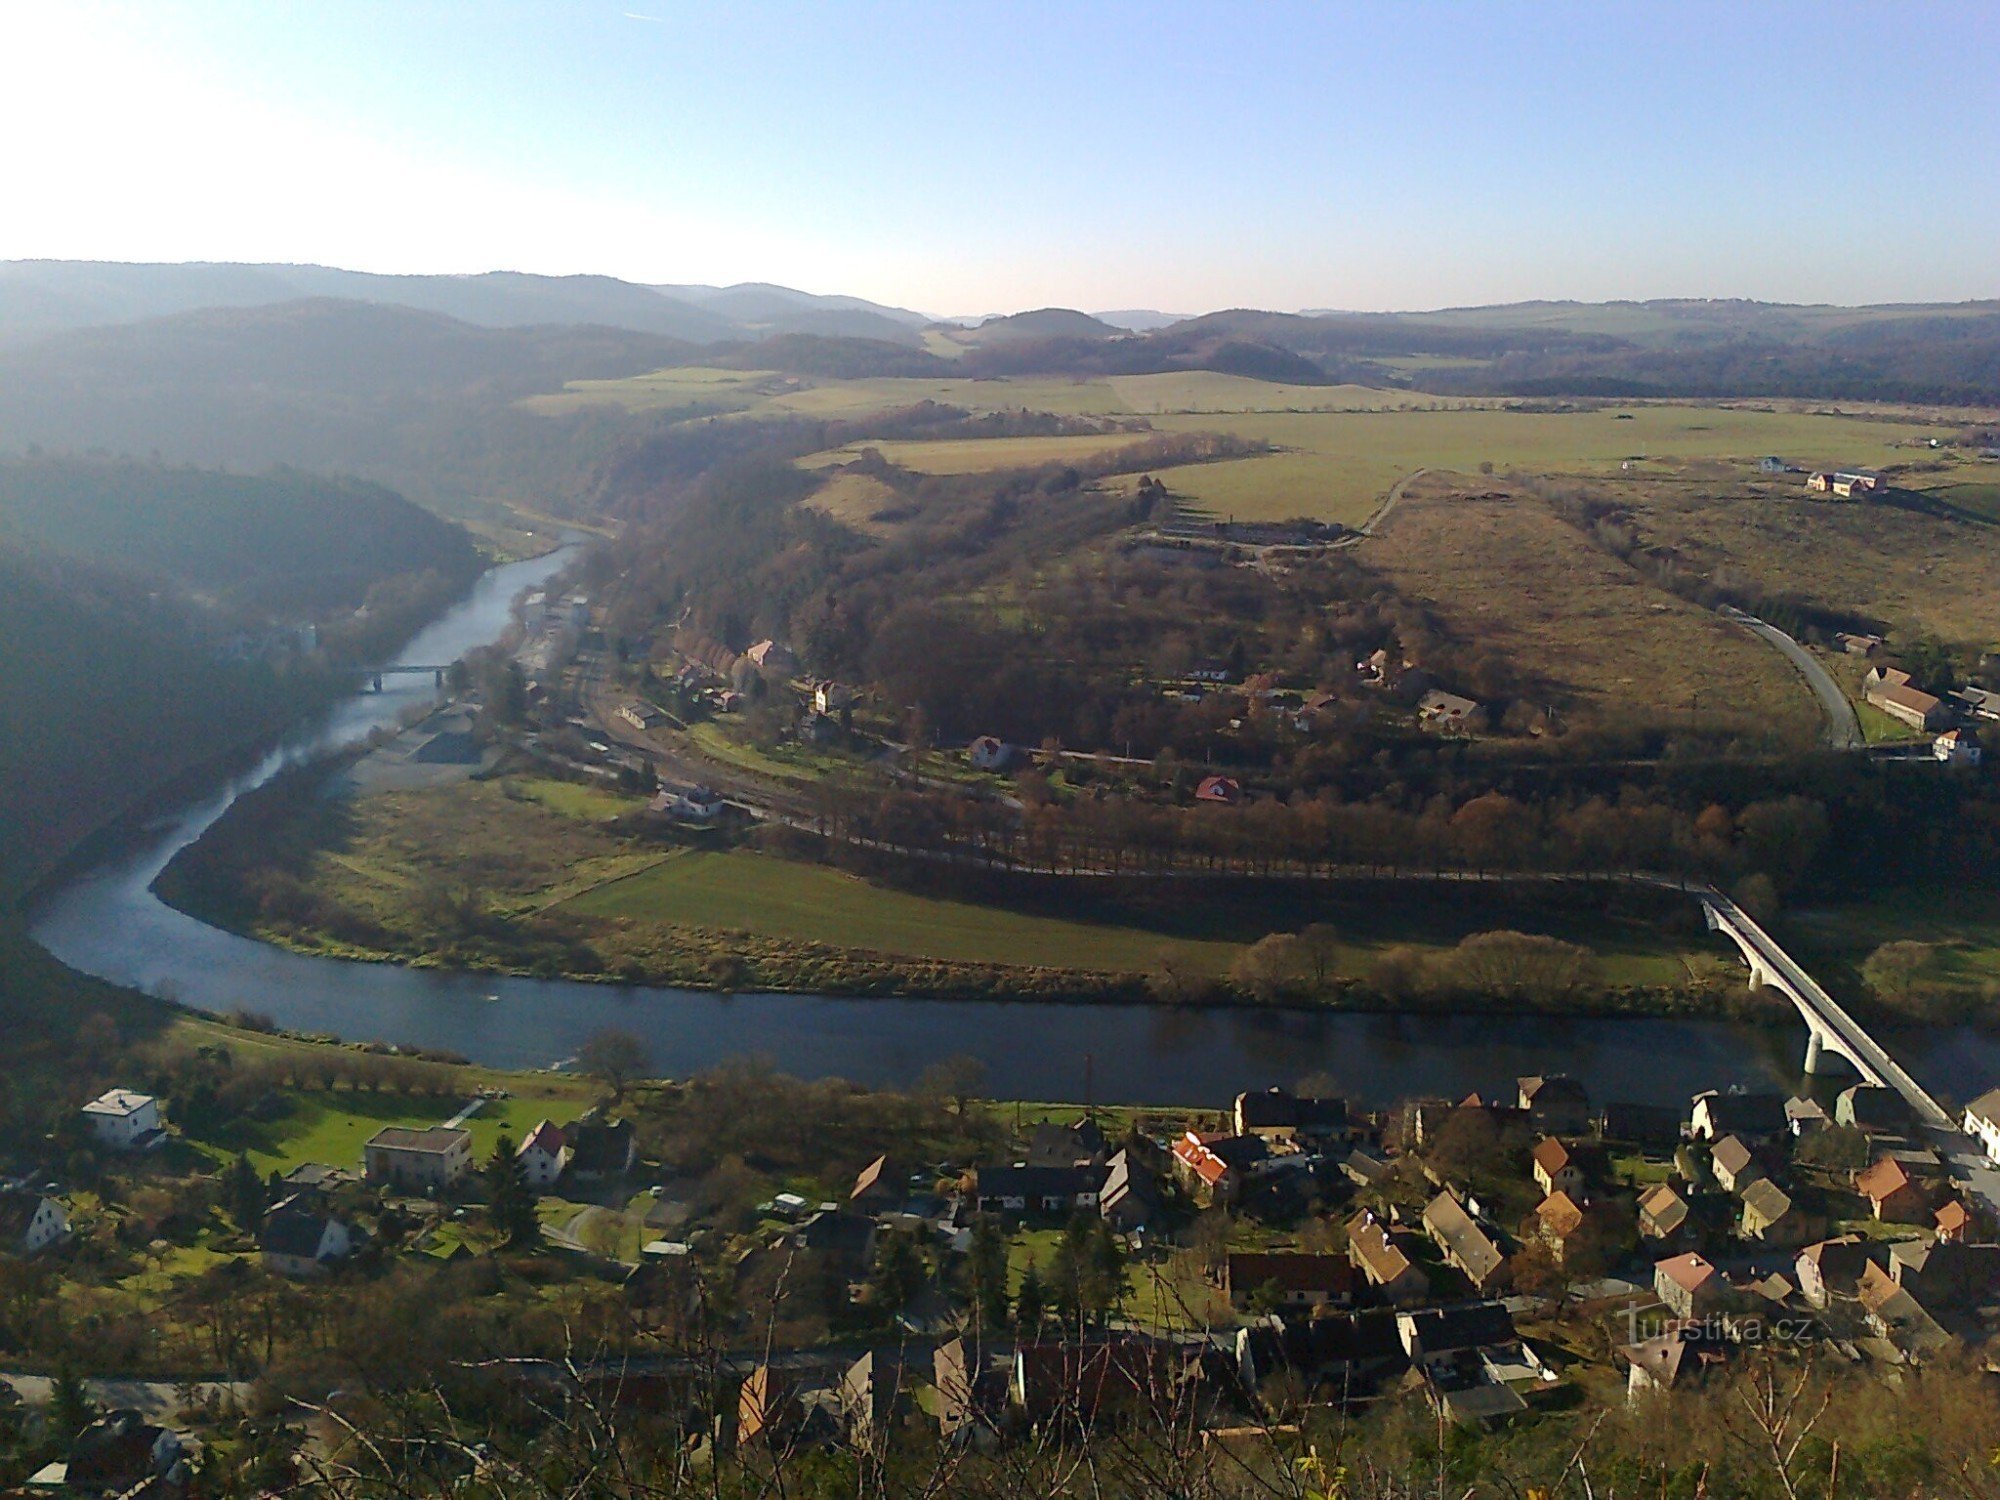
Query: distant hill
point(1140, 319)
point(287, 542)
point(1045, 323)
point(758, 306)
point(48, 296)
point(415, 399)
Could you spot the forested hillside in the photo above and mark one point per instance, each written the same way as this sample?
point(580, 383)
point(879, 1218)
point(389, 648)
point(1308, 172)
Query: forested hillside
point(110, 689)
point(289, 542)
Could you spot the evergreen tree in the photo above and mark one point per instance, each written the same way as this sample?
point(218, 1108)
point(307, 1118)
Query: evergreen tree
point(70, 1408)
point(510, 1202)
point(1030, 1303)
point(243, 1191)
point(986, 1269)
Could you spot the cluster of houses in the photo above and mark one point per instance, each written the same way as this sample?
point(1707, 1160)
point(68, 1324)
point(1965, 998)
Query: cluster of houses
point(1955, 722)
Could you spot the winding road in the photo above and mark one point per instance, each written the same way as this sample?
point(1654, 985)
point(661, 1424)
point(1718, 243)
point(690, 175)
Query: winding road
point(1843, 726)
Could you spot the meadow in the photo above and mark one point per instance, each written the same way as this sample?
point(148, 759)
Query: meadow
point(1506, 573)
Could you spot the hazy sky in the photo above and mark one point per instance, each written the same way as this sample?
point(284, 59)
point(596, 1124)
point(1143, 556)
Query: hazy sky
point(966, 158)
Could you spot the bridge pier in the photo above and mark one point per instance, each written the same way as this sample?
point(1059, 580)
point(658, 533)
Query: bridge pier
point(1815, 1052)
point(378, 682)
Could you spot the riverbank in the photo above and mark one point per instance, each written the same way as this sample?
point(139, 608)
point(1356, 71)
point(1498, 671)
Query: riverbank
point(527, 876)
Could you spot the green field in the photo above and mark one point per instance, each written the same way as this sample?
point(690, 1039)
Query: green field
point(332, 1127)
point(1962, 922)
point(1338, 466)
point(811, 903)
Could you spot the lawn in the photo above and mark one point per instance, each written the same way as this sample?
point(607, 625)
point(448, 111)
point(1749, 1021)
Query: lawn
point(1962, 921)
point(589, 804)
point(332, 1127)
point(811, 903)
point(714, 390)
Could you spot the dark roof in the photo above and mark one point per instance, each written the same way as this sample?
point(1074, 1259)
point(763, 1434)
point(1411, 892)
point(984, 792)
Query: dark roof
point(1278, 1109)
point(1873, 1107)
point(435, 1139)
point(836, 1233)
point(1553, 1088)
point(1313, 1345)
point(1467, 1325)
point(1037, 1182)
point(598, 1146)
point(1239, 1151)
point(1641, 1123)
point(1758, 1113)
point(293, 1231)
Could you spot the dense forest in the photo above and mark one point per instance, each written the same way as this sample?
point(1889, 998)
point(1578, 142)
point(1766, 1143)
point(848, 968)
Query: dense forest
point(286, 541)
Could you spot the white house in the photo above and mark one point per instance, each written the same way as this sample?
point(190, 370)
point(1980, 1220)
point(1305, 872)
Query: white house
point(686, 804)
point(831, 697)
point(1956, 747)
point(31, 1222)
point(990, 753)
point(1982, 1122)
point(123, 1120)
point(544, 1154)
point(302, 1239)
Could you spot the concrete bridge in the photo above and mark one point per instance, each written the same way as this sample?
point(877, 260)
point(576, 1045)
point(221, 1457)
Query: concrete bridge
point(1829, 1028)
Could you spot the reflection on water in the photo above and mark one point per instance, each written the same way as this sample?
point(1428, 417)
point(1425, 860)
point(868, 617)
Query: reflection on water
point(107, 923)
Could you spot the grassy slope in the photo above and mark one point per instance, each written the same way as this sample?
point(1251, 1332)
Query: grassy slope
point(1506, 573)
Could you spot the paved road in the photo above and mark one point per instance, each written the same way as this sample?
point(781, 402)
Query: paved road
point(1843, 727)
point(155, 1400)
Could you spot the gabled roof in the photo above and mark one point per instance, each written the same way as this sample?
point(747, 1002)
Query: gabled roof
point(1883, 1180)
point(1839, 1261)
point(1291, 1271)
point(1454, 1229)
point(1551, 1155)
point(1559, 1215)
point(1368, 1243)
point(1757, 1113)
point(1658, 1358)
point(1767, 1200)
point(1552, 1088)
point(1665, 1207)
point(869, 1178)
point(294, 1230)
point(1953, 1217)
point(1467, 1325)
point(1732, 1156)
point(547, 1137)
point(1690, 1272)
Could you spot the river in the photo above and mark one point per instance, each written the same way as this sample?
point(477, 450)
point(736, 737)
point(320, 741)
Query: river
point(107, 922)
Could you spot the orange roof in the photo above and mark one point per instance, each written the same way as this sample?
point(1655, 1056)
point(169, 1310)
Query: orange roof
point(1885, 1179)
point(1560, 1215)
point(1953, 1217)
point(1204, 1163)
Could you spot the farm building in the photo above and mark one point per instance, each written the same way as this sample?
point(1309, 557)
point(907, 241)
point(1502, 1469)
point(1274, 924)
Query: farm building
point(1448, 713)
point(1957, 747)
point(1890, 690)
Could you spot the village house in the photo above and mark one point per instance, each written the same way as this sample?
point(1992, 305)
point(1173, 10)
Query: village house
point(1945, 1276)
point(1556, 1103)
point(1953, 1222)
point(1805, 1116)
point(1343, 1356)
point(1077, 1145)
point(1281, 1118)
point(1772, 1216)
point(988, 753)
point(1870, 1107)
point(1895, 1313)
point(1957, 747)
point(1641, 1124)
point(1212, 1168)
point(1129, 1199)
point(1690, 1285)
point(1890, 689)
point(1663, 1214)
point(641, 715)
point(1757, 1118)
point(685, 802)
point(1464, 1245)
point(1555, 1223)
point(1294, 1278)
point(1734, 1164)
point(830, 697)
point(870, 1398)
point(1555, 1167)
point(1893, 1195)
point(1656, 1364)
point(124, 1121)
point(123, 1454)
point(543, 1155)
point(1982, 1122)
point(1831, 1269)
point(1388, 1268)
point(300, 1238)
point(1858, 643)
point(31, 1222)
point(1448, 713)
point(1037, 1190)
point(773, 658)
point(1223, 789)
point(600, 1148)
point(1844, 483)
point(417, 1160)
